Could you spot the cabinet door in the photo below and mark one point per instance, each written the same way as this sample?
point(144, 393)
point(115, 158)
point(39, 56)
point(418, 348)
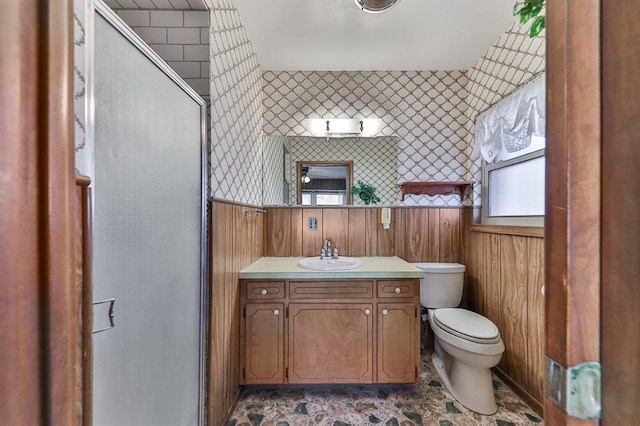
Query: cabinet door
point(264, 343)
point(398, 342)
point(331, 343)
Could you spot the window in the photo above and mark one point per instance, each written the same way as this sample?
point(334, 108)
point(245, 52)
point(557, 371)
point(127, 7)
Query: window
point(323, 198)
point(510, 137)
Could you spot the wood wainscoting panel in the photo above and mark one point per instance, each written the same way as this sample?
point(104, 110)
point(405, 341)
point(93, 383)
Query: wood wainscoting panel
point(357, 233)
point(493, 298)
point(513, 291)
point(504, 277)
point(371, 233)
point(279, 232)
point(434, 231)
point(386, 237)
point(335, 228)
point(450, 237)
point(311, 239)
point(297, 228)
point(416, 234)
point(236, 241)
point(535, 311)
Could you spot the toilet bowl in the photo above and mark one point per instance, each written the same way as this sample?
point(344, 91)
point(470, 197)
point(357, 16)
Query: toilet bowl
point(466, 344)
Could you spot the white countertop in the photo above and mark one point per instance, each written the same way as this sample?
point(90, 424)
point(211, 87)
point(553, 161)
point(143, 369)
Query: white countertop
point(372, 267)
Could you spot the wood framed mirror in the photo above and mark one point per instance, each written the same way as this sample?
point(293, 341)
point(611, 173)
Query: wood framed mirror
point(324, 183)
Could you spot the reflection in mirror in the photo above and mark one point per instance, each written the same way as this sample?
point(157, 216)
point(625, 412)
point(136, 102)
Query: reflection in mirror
point(324, 183)
point(374, 161)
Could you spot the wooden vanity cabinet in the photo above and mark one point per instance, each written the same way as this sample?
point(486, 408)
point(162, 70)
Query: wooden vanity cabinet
point(330, 331)
point(397, 343)
point(330, 343)
point(264, 343)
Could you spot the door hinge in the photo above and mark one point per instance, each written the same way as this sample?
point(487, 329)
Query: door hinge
point(576, 389)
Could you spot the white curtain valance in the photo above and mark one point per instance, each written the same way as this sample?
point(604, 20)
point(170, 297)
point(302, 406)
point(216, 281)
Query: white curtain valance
point(510, 124)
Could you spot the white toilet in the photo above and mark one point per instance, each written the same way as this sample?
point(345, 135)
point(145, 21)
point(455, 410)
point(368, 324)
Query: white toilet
point(466, 344)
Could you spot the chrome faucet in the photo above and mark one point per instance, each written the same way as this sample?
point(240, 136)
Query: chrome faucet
point(326, 253)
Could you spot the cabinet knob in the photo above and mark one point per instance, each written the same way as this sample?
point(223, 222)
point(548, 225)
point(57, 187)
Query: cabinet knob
point(263, 292)
point(398, 290)
point(276, 312)
point(367, 311)
point(385, 311)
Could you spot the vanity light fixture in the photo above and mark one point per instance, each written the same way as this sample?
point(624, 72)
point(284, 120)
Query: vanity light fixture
point(344, 127)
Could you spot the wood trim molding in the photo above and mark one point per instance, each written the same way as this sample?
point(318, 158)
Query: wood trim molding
point(521, 231)
point(234, 203)
point(620, 224)
point(38, 321)
point(84, 295)
point(573, 196)
point(536, 405)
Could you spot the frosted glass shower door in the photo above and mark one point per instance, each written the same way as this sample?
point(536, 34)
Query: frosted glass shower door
point(148, 234)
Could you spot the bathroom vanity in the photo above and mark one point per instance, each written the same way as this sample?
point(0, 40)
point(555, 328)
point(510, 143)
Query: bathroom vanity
point(354, 326)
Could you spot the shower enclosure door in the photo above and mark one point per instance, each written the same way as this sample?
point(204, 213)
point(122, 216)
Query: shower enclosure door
point(149, 235)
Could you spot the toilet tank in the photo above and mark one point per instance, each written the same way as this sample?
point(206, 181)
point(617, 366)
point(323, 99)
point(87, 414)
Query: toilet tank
point(442, 285)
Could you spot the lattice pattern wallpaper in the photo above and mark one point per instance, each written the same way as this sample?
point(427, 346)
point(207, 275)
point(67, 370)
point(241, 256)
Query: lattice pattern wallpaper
point(82, 151)
point(374, 161)
point(511, 61)
point(236, 109)
point(273, 170)
point(426, 110)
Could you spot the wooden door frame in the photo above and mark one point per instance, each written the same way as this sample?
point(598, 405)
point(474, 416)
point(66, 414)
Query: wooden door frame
point(349, 178)
point(573, 199)
point(620, 212)
point(37, 192)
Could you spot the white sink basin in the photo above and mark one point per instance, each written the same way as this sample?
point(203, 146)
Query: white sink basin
point(340, 264)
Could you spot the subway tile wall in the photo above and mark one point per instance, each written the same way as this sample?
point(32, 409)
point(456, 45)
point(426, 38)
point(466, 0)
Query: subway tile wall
point(156, 4)
point(180, 37)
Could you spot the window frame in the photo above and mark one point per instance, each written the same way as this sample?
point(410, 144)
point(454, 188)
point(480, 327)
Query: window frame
point(536, 221)
point(314, 194)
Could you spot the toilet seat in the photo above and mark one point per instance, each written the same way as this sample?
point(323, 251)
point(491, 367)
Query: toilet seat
point(466, 325)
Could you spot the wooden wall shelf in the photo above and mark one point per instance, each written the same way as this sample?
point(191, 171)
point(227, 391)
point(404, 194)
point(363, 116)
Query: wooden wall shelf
point(436, 188)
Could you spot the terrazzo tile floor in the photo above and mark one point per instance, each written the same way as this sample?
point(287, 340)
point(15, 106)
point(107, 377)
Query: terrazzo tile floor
point(426, 403)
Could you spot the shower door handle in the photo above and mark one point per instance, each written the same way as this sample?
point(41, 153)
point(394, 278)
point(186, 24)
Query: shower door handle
point(110, 314)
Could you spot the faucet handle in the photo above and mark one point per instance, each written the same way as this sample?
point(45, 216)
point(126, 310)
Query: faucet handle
point(335, 253)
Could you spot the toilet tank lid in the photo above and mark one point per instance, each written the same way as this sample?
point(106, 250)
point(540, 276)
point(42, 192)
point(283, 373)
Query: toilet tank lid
point(440, 268)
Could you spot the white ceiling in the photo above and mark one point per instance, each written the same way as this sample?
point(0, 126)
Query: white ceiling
point(335, 35)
